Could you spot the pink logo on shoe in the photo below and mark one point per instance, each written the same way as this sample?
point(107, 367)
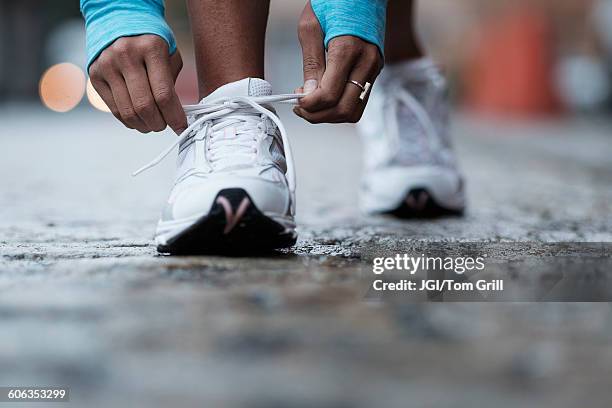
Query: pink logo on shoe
point(231, 217)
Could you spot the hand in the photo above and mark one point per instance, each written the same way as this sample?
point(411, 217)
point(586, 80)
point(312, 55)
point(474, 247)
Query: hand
point(331, 99)
point(135, 77)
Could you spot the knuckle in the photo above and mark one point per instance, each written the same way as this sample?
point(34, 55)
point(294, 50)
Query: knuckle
point(312, 64)
point(339, 53)
point(143, 108)
point(121, 47)
point(158, 127)
point(307, 25)
point(103, 63)
point(328, 99)
point(345, 44)
point(150, 41)
point(94, 73)
point(129, 116)
point(149, 45)
point(371, 54)
point(143, 48)
point(163, 97)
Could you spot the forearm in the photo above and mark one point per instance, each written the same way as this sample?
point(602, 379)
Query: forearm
point(365, 19)
point(108, 20)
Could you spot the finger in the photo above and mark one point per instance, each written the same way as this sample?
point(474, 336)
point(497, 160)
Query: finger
point(339, 65)
point(103, 89)
point(348, 110)
point(302, 114)
point(144, 105)
point(161, 78)
point(313, 49)
point(123, 102)
point(350, 107)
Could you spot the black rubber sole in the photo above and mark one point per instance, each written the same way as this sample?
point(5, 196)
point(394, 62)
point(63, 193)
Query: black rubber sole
point(420, 204)
point(233, 226)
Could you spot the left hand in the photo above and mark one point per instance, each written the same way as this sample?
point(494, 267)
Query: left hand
point(331, 98)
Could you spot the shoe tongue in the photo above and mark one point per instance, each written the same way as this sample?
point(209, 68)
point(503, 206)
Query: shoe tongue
point(244, 87)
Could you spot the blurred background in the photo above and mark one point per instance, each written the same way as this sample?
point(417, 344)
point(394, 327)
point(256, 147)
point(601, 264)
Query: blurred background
point(505, 57)
point(85, 301)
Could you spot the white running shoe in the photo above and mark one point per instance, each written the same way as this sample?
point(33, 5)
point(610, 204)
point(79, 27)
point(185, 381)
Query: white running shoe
point(410, 168)
point(235, 183)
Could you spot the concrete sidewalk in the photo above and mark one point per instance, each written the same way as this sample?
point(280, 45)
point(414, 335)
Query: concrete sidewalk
point(86, 302)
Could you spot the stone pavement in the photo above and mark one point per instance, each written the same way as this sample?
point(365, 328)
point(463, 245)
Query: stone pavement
point(86, 302)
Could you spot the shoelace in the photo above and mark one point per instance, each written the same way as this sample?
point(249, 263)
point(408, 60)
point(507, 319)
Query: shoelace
point(240, 144)
point(230, 108)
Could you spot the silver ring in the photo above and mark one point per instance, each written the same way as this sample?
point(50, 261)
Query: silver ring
point(365, 89)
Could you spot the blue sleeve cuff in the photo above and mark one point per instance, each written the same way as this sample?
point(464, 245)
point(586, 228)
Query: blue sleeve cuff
point(365, 19)
point(108, 20)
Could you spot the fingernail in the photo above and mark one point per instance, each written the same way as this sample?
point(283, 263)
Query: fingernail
point(310, 85)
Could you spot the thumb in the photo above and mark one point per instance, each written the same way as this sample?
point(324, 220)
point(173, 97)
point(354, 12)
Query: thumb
point(313, 49)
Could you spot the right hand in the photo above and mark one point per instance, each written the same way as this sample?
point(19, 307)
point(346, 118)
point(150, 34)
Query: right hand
point(135, 77)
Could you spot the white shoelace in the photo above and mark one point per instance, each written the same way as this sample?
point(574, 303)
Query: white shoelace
point(229, 109)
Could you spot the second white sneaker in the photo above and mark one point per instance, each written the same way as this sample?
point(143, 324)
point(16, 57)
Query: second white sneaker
point(235, 184)
point(410, 168)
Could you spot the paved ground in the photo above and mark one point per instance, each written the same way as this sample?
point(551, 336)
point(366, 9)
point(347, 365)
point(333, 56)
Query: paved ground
point(86, 302)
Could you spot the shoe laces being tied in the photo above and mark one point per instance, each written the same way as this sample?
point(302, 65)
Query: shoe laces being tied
point(246, 114)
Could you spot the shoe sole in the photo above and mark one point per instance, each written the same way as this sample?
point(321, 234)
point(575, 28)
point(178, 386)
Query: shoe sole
point(420, 204)
point(419, 192)
point(234, 225)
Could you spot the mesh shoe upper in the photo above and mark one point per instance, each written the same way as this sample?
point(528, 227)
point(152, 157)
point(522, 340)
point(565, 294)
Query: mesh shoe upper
point(406, 121)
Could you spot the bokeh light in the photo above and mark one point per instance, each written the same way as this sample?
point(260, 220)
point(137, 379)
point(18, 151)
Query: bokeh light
point(94, 98)
point(62, 87)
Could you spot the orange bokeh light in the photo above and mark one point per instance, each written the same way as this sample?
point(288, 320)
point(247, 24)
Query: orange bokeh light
point(62, 87)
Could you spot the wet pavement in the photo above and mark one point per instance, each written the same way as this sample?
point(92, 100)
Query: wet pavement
point(86, 302)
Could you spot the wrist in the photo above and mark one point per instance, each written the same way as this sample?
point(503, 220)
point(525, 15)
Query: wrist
point(106, 22)
point(365, 19)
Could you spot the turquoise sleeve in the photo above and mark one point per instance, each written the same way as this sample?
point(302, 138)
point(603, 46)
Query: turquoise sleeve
point(365, 19)
point(108, 20)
